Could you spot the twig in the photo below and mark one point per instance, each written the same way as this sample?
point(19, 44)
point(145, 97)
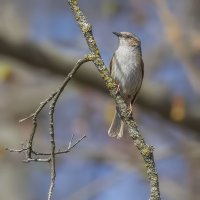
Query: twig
point(67, 150)
point(51, 123)
point(145, 150)
point(36, 160)
point(53, 98)
point(42, 104)
point(70, 142)
point(16, 150)
point(26, 118)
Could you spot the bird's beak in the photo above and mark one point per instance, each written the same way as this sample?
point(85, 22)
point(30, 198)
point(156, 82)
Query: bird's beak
point(117, 34)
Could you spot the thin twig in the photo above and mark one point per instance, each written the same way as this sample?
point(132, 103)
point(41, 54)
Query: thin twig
point(145, 150)
point(16, 150)
point(70, 142)
point(41, 106)
point(68, 149)
point(70, 146)
point(51, 122)
point(53, 98)
point(26, 118)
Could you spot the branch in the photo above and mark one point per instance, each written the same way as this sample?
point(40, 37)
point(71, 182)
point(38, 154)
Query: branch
point(28, 148)
point(145, 150)
point(66, 150)
point(51, 123)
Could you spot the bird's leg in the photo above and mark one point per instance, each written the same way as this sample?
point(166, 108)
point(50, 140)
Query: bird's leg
point(118, 89)
point(130, 110)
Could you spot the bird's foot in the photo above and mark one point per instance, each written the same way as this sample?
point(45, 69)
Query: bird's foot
point(130, 109)
point(118, 89)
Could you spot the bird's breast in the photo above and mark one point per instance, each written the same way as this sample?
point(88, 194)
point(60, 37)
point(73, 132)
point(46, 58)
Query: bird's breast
point(127, 69)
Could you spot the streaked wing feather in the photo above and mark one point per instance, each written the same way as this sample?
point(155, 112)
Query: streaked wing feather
point(142, 68)
point(111, 63)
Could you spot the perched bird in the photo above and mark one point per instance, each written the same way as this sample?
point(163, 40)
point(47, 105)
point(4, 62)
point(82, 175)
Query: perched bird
point(127, 69)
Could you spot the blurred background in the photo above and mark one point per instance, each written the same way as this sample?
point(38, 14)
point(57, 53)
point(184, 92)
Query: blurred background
point(39, 44)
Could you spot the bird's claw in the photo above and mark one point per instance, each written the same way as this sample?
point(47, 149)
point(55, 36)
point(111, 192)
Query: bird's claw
point(118, 89)
point(130, 109)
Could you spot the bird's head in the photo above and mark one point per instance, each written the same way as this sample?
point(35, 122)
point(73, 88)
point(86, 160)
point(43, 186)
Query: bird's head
point(127, 38)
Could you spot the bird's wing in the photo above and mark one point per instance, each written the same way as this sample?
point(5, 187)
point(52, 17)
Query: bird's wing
point(142, 68)
point(112, 63)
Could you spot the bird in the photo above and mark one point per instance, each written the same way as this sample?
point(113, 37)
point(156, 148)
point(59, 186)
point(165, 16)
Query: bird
point(127, 70)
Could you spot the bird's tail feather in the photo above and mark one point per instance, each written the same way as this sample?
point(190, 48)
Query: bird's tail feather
point(116, 128)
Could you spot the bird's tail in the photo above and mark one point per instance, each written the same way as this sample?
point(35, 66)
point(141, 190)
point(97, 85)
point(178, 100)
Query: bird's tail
point(117, 126)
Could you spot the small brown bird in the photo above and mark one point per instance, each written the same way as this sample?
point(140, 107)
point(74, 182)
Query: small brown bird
point(127, 69)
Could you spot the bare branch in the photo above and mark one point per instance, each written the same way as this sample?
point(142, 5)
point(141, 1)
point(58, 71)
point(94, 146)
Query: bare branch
point(16, 150)
point(51, 123)
point(36, 160)
point(53, 98)
point(26, 118)
point(145, 150)
point(70, 142)
point(68, 149)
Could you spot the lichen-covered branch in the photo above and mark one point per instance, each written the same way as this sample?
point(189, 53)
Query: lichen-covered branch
point(145, 150)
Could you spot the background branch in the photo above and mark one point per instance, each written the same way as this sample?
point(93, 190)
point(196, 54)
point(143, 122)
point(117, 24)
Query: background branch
point(51, 122)
point(180, 45)
point(53, 98)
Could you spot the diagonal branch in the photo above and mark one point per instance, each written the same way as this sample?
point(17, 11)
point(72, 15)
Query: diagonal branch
point(145, 150)
point(53, 97)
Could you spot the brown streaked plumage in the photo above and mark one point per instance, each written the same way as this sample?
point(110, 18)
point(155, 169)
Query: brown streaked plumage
point(127, 69)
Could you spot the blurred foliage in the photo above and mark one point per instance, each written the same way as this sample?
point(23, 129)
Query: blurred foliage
point(110, 8)
point(178, 109)
point(5, 72)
